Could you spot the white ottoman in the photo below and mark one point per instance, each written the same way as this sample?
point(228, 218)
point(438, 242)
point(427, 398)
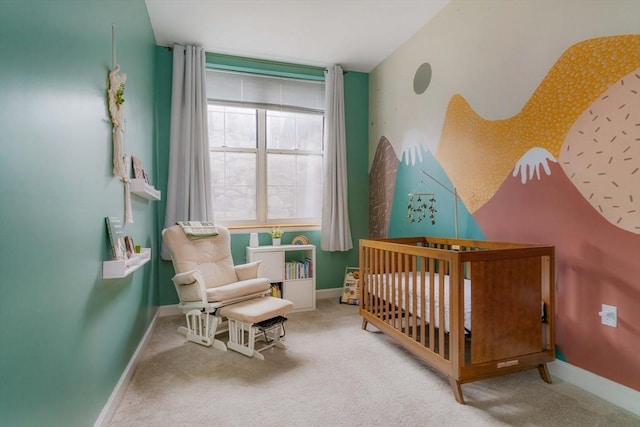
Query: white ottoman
point(246, 316)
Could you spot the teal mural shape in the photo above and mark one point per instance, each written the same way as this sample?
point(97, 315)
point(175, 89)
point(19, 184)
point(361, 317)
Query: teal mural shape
point(410, 177)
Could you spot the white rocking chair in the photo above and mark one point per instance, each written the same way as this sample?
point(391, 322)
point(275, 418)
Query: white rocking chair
point(206, 280)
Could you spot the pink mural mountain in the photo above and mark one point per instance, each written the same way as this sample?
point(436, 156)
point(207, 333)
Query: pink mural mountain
point(603, 269)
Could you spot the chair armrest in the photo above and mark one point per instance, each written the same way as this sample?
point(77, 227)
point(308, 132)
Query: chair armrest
point(187, 278)
point(190, 286)
point(248, 271)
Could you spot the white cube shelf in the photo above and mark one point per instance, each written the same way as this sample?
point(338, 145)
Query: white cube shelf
point(301, 291)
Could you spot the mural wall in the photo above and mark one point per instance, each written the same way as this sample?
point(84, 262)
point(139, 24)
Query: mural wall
point(543, 146)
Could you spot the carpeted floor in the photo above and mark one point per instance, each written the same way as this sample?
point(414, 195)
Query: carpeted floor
point(336, 374)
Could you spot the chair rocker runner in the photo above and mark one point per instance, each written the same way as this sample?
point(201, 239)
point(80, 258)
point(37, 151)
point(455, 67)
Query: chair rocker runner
point(211, 289)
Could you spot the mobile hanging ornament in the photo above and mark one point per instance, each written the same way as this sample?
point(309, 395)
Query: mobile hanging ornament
point(419, 204)
point(115, 97)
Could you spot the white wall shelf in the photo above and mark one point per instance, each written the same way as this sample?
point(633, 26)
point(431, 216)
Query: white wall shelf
point(300, 291)
point(140, 188)
point(117, 269)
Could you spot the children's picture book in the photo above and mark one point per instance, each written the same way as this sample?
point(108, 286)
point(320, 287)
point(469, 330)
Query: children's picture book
point(116, 237)
point(351, 286)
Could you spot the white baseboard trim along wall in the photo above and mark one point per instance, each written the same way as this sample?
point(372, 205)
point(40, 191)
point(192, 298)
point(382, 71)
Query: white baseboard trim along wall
point(116, 395)
point(328, 293)
point(618, 394)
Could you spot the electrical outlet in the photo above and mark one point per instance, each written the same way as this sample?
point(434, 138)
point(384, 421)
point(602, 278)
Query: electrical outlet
point(609, 315)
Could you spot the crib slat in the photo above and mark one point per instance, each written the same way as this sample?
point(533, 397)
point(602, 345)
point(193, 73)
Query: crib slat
point(432, 338)
point(384, 315)
point(378, 282)
point(414, 301)
point(441, 296)
point(423, 308)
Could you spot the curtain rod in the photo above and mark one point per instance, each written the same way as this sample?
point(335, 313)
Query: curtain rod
point(269, 62)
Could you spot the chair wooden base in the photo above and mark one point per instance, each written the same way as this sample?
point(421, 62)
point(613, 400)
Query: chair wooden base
point(243, 336)
point(247, 318)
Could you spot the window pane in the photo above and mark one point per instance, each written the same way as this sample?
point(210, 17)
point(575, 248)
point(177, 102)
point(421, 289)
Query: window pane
point(233, 181)
point(309, 131)
point(294, 186)
point(290, 131)
point(232, 127)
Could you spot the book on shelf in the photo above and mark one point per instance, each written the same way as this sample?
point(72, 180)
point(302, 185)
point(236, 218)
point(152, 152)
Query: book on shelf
point(298, 269)
point(116, 237)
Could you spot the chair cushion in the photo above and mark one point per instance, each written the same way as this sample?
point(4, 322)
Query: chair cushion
point(257, 309)
point(211, 256)
point(238, 289)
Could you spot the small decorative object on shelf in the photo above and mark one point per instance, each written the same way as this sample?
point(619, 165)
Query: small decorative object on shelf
point(300, 240)
point(276, 235)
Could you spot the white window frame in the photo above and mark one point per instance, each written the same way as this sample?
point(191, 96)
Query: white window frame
point(261, 168)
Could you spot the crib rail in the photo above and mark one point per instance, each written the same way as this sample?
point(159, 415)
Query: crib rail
point(396, 270)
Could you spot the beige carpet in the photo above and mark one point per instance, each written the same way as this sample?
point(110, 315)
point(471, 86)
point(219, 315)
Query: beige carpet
point(336, 374)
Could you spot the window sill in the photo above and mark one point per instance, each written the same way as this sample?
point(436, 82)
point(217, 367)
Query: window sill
point(262, 228)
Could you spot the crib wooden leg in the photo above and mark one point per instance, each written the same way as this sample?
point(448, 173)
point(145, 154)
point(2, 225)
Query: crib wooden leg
point(544, 373)
point(457, 390)
point(364, 324)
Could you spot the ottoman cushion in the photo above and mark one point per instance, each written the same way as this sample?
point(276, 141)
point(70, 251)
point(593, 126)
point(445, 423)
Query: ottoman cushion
point(257, 309)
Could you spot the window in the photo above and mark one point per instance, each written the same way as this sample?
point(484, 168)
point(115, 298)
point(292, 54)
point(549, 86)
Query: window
point(266, 159)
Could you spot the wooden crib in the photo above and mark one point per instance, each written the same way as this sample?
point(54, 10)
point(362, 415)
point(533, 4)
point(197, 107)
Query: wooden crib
point(506, 288)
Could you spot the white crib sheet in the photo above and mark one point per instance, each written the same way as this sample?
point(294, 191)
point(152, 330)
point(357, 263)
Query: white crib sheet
point(399, 280)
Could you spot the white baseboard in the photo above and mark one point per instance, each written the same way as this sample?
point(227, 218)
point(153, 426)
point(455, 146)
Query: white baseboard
point(104, 419)
point(169, 310)
point(328, 293)
point(618, 394)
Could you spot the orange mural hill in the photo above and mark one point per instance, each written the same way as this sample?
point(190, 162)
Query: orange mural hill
point(478, 154)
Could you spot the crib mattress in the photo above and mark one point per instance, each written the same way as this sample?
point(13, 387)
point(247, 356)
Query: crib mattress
point(401, 280)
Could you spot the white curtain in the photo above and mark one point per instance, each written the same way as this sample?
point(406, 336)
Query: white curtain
point(336, 231)
point(189, 184)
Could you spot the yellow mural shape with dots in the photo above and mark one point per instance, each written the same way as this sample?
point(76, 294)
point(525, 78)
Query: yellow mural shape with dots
point(478, 154)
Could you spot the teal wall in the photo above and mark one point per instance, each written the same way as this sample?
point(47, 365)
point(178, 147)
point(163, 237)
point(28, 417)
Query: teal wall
point(66, 334)
point(330, 265)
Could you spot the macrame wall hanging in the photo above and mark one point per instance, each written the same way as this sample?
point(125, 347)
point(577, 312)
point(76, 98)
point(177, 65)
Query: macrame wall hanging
point(115, 97)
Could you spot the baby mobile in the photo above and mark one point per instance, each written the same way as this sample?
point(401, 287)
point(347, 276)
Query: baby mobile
point(419, 204)
point(115, 97)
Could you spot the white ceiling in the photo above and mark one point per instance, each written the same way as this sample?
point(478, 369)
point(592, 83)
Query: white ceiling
point(356, 34)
